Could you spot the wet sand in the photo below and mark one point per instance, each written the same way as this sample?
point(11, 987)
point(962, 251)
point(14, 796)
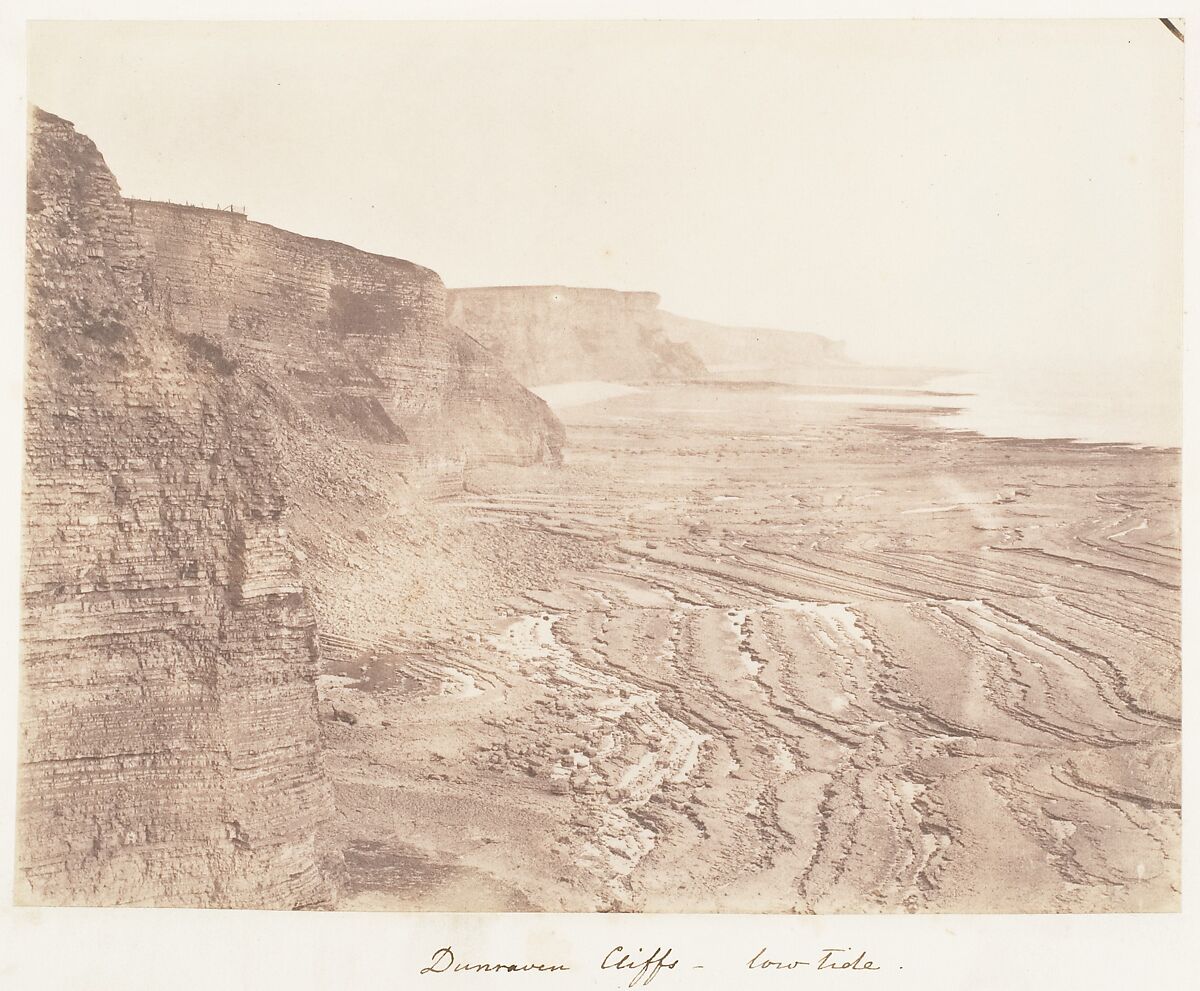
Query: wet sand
point(747, 654)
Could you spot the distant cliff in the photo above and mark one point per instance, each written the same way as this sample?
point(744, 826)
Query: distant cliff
point(756, 353)
point(169, 746)
point(361, 340)
point(546, 334)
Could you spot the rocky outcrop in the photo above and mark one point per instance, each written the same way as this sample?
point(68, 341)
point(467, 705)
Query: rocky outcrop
point(756, 352)
point(359, 340)
point(547, 334)
point(170, 746)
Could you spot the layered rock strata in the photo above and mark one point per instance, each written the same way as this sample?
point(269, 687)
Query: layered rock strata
point(170, 746)
point(765, 656)
point(360, 339)
point(548, 334)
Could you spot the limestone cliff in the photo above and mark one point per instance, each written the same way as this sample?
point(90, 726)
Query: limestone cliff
point(360, 340)
point(756, 352)
point(169, 745)
point(546, 334)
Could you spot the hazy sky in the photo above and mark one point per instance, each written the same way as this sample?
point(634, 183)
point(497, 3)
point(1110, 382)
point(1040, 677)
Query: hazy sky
point(952, 192)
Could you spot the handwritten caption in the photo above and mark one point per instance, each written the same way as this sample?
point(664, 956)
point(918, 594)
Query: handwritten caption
point(641, 968)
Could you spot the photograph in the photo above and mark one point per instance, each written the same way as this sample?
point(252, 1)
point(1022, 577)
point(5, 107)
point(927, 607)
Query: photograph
point(583, 466)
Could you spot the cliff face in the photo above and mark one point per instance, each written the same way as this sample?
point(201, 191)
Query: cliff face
point(359, 340)
point(546, 334)
point(170, 745)
point(755, 352)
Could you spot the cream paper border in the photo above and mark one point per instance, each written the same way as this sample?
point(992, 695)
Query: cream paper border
point(153, 949)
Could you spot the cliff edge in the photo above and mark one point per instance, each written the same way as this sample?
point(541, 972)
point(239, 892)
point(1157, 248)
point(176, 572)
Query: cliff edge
point(756, 352)
point(169, 748)
point(218, 415)
point(359, 340)
point(548, 334)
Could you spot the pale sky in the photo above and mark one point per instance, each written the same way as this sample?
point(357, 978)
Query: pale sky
point(961, 193)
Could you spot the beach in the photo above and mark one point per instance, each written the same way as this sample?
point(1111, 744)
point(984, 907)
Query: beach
point(752, 654)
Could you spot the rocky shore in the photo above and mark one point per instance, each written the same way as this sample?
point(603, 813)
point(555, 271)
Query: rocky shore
point(765, 656)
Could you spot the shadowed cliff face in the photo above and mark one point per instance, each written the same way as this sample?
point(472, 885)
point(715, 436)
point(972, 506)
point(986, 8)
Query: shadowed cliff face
point(547, 334)
point(170, 745)
point(359, 340)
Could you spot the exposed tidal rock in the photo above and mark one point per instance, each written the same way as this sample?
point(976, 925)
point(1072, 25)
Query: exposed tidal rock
point(359, 339)
point(547, 334)
point(170, 743)
point(838, 660)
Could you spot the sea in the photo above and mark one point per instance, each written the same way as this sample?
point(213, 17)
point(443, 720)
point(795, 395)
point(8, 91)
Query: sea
point(1131, 402)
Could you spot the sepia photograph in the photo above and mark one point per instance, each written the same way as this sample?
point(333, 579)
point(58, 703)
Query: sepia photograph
point(691, 467)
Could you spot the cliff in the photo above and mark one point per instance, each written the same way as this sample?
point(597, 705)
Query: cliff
point(170, 745)
point(216, 410)
point(546, 334)
point(755, 352)
point(359, 340)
